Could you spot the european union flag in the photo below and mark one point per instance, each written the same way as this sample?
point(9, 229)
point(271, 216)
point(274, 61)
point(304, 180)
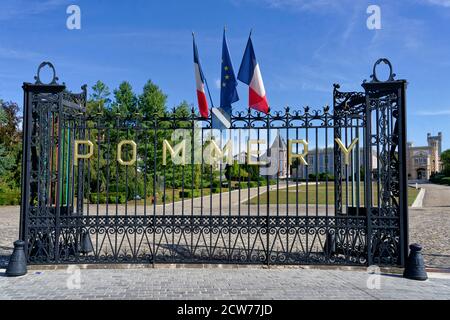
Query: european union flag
point(228, 84)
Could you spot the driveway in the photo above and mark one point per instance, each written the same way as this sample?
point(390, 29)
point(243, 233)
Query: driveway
point(430, 226)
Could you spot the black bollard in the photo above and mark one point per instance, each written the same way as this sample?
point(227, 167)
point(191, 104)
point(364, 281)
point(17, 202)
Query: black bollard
point(329, 247)
point(17, 265)
point(86, 243)
point(415, 266)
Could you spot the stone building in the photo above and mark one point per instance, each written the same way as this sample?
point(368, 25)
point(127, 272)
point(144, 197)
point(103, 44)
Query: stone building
point(423, 161)
point(277, 156)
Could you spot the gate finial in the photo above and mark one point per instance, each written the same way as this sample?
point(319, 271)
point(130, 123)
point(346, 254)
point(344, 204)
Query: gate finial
point(37, 77)
point(374, 72)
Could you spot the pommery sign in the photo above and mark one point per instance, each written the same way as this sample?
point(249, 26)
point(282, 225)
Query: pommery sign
point(210, 152)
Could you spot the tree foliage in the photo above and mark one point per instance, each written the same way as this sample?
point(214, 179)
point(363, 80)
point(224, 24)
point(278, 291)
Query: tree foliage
point(152, 101)
point(445, 158)
point(10, 150)
point(125, 101)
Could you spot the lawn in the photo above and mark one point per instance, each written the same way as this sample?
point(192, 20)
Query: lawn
point(320, 194)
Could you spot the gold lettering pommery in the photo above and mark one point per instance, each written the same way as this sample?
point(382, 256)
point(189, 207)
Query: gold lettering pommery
point(178, 152)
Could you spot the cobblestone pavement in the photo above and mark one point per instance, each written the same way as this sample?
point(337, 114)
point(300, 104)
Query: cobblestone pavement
point(429, 226)
point(217, 283)
point(9, 231)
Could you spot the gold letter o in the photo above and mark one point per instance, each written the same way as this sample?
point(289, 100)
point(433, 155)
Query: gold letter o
point(119, 152)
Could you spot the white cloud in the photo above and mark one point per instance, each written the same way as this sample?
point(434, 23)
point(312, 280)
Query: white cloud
point(13, 9)
point(9, 53)
point(299, 5)
point(442, 3)
point(217, 83)
point(445, 112)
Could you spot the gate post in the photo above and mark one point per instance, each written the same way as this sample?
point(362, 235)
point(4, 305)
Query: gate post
point(388, 222)
point(45, 106)
point(36, 177)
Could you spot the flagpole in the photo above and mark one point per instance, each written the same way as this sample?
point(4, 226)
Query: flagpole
point(206, 82)
point(209, 93)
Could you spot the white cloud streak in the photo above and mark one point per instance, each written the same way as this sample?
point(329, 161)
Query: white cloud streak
point(442, 3)
point(445, 112)
point(14, 9)
point(300, 5)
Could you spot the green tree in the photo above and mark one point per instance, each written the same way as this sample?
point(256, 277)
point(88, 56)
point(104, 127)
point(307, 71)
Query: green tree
point(10, 143)
point(236, 171)
point(9, 126)
point(152, 105)
point(445, 158)
point(98, 103)
point(125, 101)
point(3, 116)
point(152, 100)
point(182, 110)
point(6, 161)
point(99, 100)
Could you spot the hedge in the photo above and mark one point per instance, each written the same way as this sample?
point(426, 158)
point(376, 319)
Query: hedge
point(101, 198)
point(11, 198)
point(440, 179)
point(190, 194)
point(446, 181)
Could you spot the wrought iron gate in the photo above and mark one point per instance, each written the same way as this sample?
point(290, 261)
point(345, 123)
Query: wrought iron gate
point(329, 186)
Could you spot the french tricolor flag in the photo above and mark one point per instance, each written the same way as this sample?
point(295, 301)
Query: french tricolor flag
point(250, 74)
point(200, 83)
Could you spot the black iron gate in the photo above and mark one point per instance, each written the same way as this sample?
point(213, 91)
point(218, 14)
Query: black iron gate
point(298, 186)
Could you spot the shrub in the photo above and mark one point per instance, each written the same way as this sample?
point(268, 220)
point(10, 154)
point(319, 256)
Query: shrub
point(189, 193)
point(446, 181)
point(253, 184)
point(263, 183)
point(242, 185)
point(97, 198)
point(112, 198)
point(216, 183)
point(437, 178)
point(323, 176)
point(216, 190)
point(11, 198)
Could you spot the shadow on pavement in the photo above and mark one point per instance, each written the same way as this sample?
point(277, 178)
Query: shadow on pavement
point(391, 275)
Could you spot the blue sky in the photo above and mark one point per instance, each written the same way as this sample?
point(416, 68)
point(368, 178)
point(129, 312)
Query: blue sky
point(303, 47)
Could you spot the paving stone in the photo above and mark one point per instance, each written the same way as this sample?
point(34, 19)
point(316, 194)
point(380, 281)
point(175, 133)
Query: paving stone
point(266, 284)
